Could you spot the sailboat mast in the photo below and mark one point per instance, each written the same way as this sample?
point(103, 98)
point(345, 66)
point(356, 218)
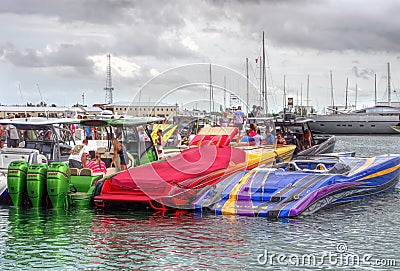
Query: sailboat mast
point(224, 93)
point(308, 92)
point(347, 91)
point(301, 100)
point(389, 97)
point(355, 103)
point(284, 94)
point(211, 93)
point(247, 84)
point(261, 103)
point(332, 96)
point(375, 89)
point(264, 81)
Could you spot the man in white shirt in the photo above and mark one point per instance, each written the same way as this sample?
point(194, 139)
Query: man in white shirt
point(239, 119)
point(78, 156)
point(12, 134)
point(142, 134)
point(177, 139)
point(191, 136)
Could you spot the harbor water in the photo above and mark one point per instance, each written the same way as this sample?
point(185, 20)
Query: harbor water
point(362, 235)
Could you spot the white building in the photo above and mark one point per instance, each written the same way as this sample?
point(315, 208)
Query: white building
point(31, 111)
point(143, 109)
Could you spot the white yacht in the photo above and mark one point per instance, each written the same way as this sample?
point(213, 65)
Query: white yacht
point(378, 119)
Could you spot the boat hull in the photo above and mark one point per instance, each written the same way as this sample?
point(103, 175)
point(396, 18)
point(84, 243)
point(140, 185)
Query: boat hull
point(276, 193)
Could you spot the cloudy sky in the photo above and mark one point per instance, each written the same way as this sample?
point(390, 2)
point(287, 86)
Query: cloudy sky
point(56, 50)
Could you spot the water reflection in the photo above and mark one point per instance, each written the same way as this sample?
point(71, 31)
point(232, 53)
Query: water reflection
point(177, 240)
point(34, 236)
point(86, 239)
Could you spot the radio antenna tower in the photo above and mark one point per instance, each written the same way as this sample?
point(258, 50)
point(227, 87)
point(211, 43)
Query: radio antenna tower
point(109, 89)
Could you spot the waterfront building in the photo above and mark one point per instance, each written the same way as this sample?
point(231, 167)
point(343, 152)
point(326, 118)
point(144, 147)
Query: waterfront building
point(143, 109)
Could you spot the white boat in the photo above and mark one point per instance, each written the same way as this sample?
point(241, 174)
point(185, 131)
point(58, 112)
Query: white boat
point(378, 119)
point(42, 141)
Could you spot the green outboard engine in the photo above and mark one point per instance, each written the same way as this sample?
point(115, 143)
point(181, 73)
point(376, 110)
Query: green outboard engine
point(16, 181)
point(58, 184)
point(36, 184)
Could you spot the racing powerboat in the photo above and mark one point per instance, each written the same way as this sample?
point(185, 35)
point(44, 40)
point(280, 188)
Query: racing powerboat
point(302, 186)
point(188, 171)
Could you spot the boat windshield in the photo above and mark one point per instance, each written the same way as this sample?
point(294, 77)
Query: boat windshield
point(316, 164)
point(263, 124)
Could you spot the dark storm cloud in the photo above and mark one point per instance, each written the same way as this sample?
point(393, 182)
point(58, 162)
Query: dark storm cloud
point(66, 55)
point(321, 25)
point(95, 11)
point(127, 12)
point(325, 25)
point(139, 29)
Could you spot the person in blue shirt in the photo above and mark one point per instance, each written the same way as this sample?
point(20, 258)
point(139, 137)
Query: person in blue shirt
point(269, 138)
point(89, 132)
point(247, 139)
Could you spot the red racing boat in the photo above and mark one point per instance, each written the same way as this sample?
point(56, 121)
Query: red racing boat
point(185, 173)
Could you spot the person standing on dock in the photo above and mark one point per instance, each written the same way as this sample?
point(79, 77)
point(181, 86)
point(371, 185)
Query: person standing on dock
point(239, 119)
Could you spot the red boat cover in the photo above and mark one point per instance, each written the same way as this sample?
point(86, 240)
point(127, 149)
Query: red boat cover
point(219, 136)
point(190, 163)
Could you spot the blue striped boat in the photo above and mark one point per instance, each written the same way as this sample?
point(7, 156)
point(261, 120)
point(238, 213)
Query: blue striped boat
point(302, 186)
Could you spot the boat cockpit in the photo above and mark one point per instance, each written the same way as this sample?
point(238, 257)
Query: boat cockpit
point(330, 165)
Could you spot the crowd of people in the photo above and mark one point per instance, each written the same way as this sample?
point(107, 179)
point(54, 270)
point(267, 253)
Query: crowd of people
point(253, 135)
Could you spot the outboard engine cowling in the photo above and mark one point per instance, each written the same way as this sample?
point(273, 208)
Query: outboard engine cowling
point(36, 184)
point(58, 184)
point(16, 181)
